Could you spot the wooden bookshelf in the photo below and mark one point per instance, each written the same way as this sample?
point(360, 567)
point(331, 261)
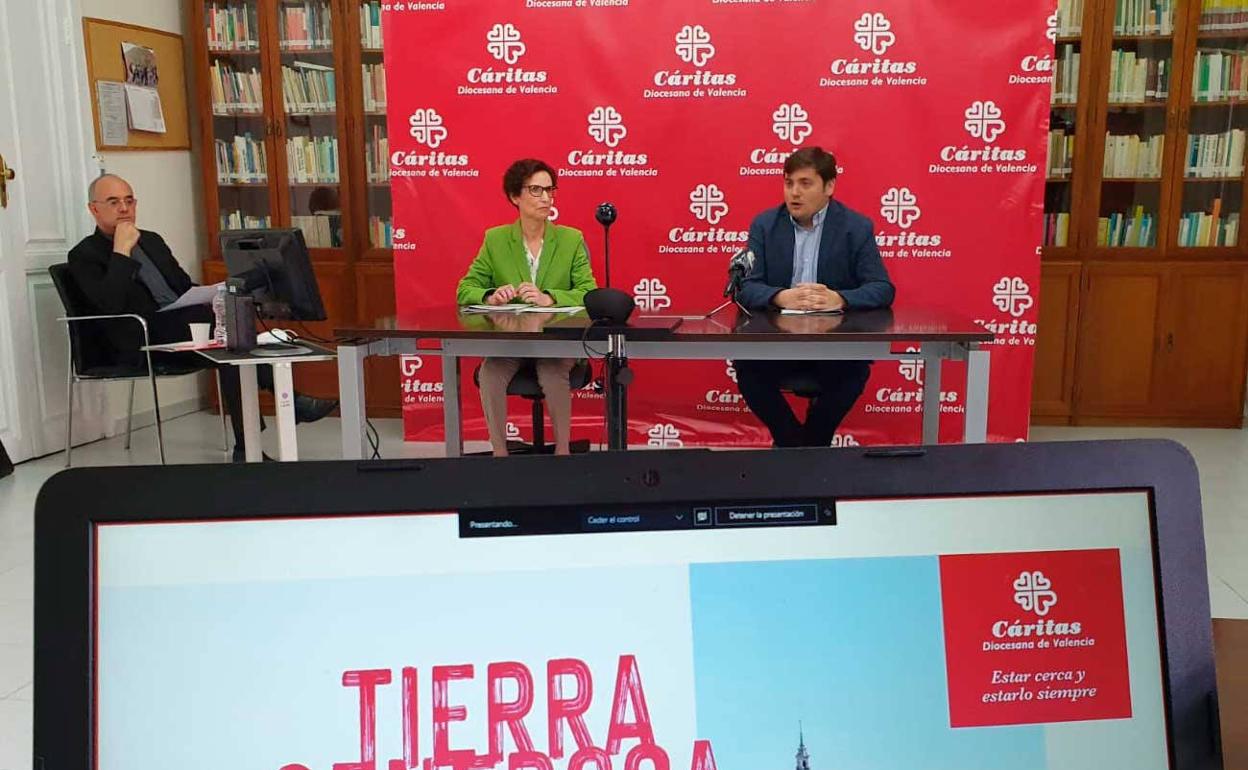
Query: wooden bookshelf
point(1150, 335)
point(304, 133)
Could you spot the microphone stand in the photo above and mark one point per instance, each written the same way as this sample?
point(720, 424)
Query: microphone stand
point(616, 374)
point(736, 275)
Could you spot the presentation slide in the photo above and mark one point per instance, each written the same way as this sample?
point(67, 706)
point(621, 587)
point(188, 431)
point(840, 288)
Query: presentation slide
point(974, 632)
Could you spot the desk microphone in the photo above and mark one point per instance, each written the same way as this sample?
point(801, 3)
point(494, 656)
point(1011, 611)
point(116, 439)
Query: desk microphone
point(738, 268)
point(606, 215)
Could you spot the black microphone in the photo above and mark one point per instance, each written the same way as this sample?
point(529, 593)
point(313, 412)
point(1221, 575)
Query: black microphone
point(738, 268)
point(606, 214)
point(743, 259)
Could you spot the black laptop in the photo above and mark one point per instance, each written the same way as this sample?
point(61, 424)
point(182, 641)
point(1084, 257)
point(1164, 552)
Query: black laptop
point(1040, 607)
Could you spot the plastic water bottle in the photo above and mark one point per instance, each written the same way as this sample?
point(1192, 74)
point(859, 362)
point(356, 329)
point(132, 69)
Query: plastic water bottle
point(218, 312)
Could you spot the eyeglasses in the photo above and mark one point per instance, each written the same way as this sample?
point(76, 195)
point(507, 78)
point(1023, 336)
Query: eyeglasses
point(114, 203)
point(536, 190)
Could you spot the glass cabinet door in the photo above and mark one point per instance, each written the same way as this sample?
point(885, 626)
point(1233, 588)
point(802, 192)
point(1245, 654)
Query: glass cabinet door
point(1215, 121)
point(310, 120)
point(376, 145)
point(1062, 129)
point(1138, 90)
point(239, 127)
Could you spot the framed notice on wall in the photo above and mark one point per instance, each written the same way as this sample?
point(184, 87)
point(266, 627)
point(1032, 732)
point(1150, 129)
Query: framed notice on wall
point(137, 78)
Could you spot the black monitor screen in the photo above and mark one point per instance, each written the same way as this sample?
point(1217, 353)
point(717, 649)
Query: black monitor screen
point(276, 269)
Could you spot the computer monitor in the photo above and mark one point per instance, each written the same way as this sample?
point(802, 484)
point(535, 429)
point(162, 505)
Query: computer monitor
point(275, 268)
point(1034, 606)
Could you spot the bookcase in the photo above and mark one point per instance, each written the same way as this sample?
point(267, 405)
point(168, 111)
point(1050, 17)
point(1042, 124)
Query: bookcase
point(292, 98)
point(1144, 310)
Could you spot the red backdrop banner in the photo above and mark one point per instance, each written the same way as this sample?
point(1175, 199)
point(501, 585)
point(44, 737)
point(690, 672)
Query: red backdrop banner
point(682, 114)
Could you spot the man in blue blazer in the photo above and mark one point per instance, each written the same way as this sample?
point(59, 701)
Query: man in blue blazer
point(812, 254)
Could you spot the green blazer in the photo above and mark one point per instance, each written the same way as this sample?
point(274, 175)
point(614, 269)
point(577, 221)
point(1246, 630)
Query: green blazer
point(563, 269)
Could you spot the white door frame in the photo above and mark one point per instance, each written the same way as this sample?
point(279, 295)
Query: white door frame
point(46, 135)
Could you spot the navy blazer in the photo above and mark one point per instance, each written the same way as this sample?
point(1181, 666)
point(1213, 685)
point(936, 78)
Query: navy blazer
point(849, 260)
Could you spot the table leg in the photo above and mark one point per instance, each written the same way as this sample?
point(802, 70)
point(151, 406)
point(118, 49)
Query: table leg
point(450, 405)
point(284, 396)
point(351, 399)
point(931, 397)
point(977, 370)
point(617, 376)
point(251, 413)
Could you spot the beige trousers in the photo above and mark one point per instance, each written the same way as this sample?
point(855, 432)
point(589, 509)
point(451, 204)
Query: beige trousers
point(552, 375)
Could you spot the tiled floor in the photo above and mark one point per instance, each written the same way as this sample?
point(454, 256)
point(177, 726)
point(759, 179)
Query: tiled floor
point(1221, 455)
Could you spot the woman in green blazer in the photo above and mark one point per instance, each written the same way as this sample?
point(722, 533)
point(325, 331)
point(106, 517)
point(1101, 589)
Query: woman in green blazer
point(534, 261)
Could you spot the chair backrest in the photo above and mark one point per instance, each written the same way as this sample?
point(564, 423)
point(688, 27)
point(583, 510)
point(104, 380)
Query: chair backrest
point(89, 344)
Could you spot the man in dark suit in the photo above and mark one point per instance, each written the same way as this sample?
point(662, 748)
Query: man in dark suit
point(122, 269)
point(811, 253)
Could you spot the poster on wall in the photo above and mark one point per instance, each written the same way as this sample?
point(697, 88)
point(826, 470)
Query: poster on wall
point(682, 115)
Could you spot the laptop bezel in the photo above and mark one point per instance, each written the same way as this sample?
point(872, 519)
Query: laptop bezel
point(74, 502)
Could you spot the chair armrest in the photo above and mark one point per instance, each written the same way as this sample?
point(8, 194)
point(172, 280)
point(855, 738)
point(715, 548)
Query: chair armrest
point(142, 321)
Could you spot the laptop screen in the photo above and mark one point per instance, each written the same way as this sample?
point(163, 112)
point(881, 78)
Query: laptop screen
point(1007, 631)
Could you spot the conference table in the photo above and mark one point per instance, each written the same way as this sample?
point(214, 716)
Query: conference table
point(450, 334)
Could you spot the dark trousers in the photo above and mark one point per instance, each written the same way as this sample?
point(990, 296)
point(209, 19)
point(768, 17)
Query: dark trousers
point(840, 383)
point(174, 326)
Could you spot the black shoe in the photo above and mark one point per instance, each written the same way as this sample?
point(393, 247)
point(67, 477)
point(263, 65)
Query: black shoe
point(311, 409)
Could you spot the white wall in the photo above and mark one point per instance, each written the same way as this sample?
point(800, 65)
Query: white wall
point(167, 185)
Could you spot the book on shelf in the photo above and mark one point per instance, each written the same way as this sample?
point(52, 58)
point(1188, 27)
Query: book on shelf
point(241, 159)
point(309, 25)
point(321, 230)
point(312, 159)
point(1061, 153)
point(1134, 79)
point(232, 26)
point(377, 155)
point(381, 235)
point(374, 87)
point(1127, 229)
point(1130, 157)
point(370, 24)
point(1223, 15)
point(1056, 228)
point(236, 220)
point(1219, 75)
point(1144, 17)
point(234, 91)
point(308, 87)
point(1069, 18)
point(1065, 87)
point(1211, 156)
point(1212, 228)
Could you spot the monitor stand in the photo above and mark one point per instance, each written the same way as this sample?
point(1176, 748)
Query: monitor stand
point(279, 349)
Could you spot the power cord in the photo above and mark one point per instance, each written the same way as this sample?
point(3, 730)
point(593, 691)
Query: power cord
point(307, 333)
point(374, 438)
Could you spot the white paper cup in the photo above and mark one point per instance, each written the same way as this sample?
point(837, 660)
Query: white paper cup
point(200, 332)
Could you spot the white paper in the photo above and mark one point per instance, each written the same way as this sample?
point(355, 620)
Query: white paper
point(112, 101)
point(144, 108)
point(552, 309)
point(787, 311)
point(513, 307)
point(196, 295)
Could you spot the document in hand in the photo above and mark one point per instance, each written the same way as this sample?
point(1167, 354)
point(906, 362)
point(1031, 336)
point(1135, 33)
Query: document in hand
point(788, 311)
point(196, 295)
